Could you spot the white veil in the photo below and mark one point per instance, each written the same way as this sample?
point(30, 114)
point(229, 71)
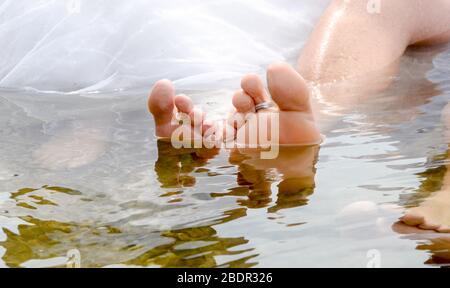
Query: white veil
point(72, 46)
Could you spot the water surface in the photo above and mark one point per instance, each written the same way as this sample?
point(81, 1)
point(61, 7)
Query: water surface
point(126, 199)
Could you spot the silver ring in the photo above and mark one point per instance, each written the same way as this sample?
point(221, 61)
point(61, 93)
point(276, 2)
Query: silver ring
point(263, 105)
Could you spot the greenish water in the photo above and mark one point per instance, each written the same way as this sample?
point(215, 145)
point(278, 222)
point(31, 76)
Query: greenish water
point(86, 173)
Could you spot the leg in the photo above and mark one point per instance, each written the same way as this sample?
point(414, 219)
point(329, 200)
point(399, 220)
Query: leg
point(350, 41)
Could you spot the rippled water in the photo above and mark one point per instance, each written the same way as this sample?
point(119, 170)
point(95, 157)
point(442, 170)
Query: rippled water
point(123, 198)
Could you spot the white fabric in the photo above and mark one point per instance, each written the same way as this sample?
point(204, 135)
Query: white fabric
point(102, 45)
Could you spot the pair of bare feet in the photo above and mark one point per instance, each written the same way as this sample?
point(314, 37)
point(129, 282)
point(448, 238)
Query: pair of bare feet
point(297, 126)
point(288, 89)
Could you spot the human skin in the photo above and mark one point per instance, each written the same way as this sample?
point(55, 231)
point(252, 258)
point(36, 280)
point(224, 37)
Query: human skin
point(350, 44)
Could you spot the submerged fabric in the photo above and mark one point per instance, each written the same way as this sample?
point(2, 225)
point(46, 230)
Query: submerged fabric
point(78, 46)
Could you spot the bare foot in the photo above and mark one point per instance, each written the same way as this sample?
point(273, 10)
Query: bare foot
point(292, 97)
point(163, 104)
point(432, 214)
point(289, 92)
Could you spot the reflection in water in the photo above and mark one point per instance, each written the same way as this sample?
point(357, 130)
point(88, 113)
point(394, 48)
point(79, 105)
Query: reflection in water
point(173, 165)
point(142, 203)
point(433, 181)
point(191, 247)
point(440, 251)
point(187, 247)
point(295, 166)
point(34, 240)
point(415, 99)
point(195, 247)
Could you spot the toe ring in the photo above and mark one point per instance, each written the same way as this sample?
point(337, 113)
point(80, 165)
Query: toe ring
point(263, 105)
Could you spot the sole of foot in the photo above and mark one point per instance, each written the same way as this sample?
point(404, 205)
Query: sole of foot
point(290, 93)
point(164, 105)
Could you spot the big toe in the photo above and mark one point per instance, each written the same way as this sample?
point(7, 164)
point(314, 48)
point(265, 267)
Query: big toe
point(161, 101)
point(162, 97)
point(288, 88)
point(161, 105)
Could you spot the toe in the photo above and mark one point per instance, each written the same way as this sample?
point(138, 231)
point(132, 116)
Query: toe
point(288, 88)
point(185, 106)
point(413, 219)
point(253, 86)
point(243, 102)
point(428, 226)
point(161, 100)
point(402, 228)
point(417, 219)
point(444, 229)
point(161, 105)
